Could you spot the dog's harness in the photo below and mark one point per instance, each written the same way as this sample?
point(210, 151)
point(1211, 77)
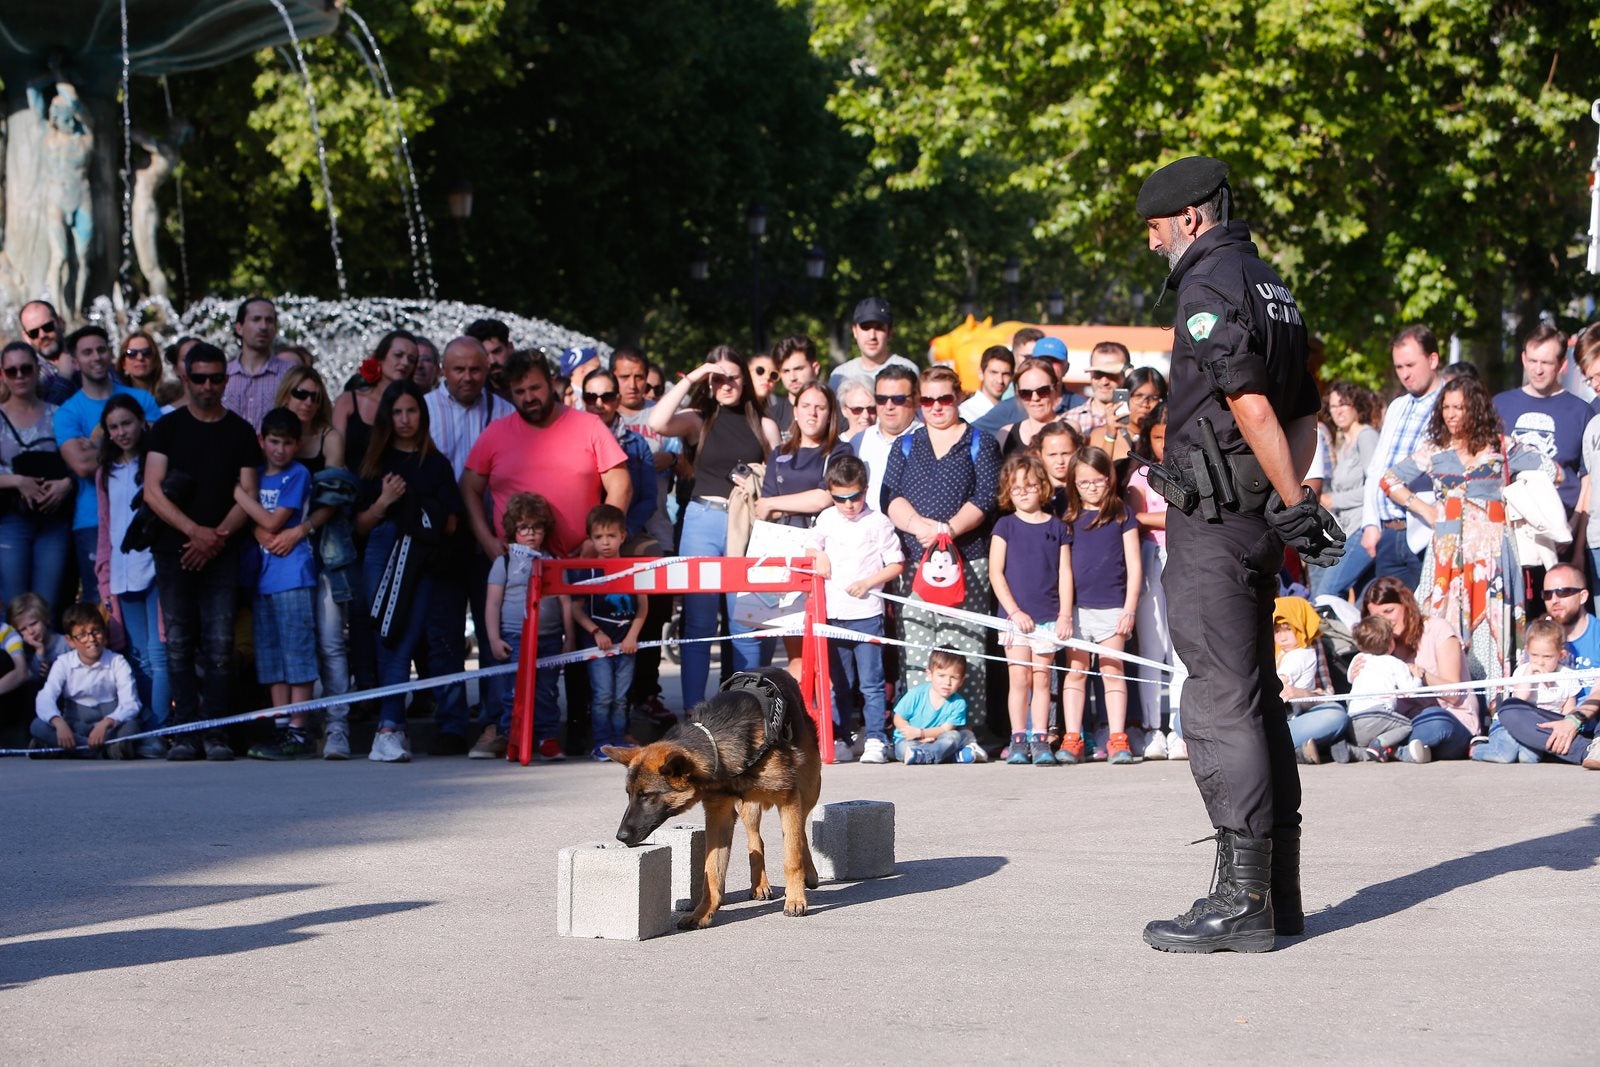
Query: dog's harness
point(777, 722)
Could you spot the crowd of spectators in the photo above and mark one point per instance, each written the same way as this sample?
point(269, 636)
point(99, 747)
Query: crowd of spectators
point(165, 521)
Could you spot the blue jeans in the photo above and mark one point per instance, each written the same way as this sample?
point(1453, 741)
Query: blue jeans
point(943, 748)
point(1503, 748)
point(33, 554)
point(333, 663)
point(859, 665)
point(705, 533)
point(85, 542)
point(609, 679)
point(394, 657)
point(1355, 568)
point(1443, 733)
point(546, 708)
point(198, 608)
point(1522, 720)
point(147, 654)
point(455, 588)
point(1322, 723)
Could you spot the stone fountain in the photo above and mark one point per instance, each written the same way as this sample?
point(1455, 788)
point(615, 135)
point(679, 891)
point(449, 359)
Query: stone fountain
point(63, 132)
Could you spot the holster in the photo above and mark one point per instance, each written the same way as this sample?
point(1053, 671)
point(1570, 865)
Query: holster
point(1225, 483)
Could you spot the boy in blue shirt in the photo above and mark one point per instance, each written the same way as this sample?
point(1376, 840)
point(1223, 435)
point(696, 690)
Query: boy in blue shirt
point(284, 613)
point(930, 720)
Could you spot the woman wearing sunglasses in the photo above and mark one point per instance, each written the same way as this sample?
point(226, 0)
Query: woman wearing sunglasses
point(714, 406)
point(139, 362)
point(1038, 390)
point(943, 478)
point(36, 524)
point(857, 406)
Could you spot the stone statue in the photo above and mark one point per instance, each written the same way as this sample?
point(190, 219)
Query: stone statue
point(147, 181)
point(67, 149)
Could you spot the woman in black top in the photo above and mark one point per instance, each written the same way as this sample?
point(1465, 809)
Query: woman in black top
point(395, 360)
point(408, 502)
point(723, 414)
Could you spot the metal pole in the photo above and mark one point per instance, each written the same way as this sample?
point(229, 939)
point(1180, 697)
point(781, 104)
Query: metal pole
point(1594, 200)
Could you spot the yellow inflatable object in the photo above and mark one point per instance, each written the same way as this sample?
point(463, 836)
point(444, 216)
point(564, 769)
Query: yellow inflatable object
point(963, 347)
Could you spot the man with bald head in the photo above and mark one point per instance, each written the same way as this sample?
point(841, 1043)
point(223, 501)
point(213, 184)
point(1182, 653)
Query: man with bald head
point(459, 409)
point(44, 331)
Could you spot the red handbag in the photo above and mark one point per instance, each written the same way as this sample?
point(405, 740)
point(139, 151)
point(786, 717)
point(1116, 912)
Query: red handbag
point(940, 578)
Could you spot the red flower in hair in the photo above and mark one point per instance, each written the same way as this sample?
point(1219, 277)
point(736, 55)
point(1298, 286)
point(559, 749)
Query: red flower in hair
point(369, 371)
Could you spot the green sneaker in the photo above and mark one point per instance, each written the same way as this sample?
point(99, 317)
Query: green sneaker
point(291, 744)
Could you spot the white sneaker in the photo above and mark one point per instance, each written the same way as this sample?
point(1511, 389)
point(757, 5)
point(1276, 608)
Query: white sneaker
point(336, 742)
point(1417, 752)
point(1177, 748)
point(389, 748)
point(842, 752)
point(972, 753)
point(875, 751)
point(1591, 758)
point(1155, 746)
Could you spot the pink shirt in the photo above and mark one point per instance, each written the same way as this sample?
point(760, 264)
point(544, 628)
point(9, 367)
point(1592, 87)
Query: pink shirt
point(1435, 632)
point(856, 549)
point(1148, 500)
point(561, 462)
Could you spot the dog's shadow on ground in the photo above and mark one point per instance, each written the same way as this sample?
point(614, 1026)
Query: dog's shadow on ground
point(1577, 849)
point(909, 878)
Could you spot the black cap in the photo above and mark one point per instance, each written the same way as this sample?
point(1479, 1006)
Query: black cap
point(873, 309)
point(1180, 184)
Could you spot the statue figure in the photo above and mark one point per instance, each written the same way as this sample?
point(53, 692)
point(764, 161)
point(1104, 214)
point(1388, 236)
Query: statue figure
point(147, 180)
point(68, 148)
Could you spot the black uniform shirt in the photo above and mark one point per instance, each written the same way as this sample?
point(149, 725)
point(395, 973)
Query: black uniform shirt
point(1238, 331)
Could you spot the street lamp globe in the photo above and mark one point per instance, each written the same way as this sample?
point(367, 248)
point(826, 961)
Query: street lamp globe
point(816, 263)
point(460, 200)
point(1011, 273)
point(756, 220)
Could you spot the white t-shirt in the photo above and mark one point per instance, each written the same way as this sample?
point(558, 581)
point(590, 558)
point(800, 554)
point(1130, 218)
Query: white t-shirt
point(1373, 689)
point(1298, 668)
point(860, 368)
point(856, 549)
point(975, 406)
point(1550, 696)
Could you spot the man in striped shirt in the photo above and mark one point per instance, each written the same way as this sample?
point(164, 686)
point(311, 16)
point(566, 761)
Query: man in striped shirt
point(1383, 535)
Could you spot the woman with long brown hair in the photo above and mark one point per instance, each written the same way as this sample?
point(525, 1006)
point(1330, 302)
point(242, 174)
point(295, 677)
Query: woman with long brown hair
point(1353, 413)
point(1440, 726)
point(139, 362)
point(1470, 582)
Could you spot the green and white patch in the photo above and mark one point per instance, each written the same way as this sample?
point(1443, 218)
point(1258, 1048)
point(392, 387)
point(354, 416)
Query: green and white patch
point(1200, 324)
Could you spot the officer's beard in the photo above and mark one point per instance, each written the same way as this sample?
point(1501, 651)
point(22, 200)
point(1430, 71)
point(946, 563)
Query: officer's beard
point(1172, 250)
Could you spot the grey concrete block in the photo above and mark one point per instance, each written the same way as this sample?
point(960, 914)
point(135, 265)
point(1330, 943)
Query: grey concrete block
point(606, 889)
point(688, 844)
point(853, 840)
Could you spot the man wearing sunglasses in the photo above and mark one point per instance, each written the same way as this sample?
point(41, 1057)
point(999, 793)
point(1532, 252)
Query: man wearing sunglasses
point(1566, 738)
point(872, 326)
point(78, 429)
point(42, 327)
point(602, 399)
point(896, 395)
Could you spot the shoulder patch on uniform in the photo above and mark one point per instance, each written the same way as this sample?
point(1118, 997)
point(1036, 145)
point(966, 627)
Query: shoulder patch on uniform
point(1200, 325)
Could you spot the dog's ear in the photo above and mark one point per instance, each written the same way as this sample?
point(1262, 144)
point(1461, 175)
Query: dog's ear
point(624, 756)
point(677, 766)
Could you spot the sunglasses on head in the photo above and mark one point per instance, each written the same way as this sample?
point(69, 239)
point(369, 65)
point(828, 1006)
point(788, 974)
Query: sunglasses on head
point(1564, 591)
point(945, 399)
point(609, 397)
point(892, 399)
point(33, 334)
point(219, 378)
point(21, 370)
point(304, 394)
point(1044, 392)
point(845, 498)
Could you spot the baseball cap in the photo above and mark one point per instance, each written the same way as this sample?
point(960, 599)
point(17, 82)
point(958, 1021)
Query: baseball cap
point(573, 358)
point(873, 309)
point(1050, 348)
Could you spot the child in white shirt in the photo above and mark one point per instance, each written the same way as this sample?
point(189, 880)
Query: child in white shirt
point(1544, 652)
point(1377, 678)
point(89, 696)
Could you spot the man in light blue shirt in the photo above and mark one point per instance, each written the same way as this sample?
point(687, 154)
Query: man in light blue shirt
point(78, 434)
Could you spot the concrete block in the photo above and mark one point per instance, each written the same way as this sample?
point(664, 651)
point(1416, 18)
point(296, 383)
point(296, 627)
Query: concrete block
point(688, 844)
point(853, 840)
point(606, 889)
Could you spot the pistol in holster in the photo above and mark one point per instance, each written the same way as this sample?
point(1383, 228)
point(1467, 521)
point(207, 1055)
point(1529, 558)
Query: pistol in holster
point(1167, 482)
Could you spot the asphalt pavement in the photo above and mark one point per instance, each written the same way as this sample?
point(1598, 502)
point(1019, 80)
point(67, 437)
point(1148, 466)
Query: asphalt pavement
point(365, 913)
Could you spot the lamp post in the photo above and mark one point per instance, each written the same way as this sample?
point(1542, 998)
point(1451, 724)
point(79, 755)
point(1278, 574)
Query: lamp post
point(1055, 305)
point(1011, 274)
point(755, 220)
point(459, 199)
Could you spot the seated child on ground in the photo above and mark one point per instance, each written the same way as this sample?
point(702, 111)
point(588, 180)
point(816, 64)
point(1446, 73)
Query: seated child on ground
point(1544, 652)
point(29, 615)
point(930, 720)
point(89, 695)
point(1293, 629)
point(1377, 677)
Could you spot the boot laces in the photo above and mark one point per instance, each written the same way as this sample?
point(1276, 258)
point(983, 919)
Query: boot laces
point(1215, 894)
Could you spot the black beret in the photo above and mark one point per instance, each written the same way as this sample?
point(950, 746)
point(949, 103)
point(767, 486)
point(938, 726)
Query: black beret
point(1180, 184)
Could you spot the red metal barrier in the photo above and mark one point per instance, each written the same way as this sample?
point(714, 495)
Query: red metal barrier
point(689, 574)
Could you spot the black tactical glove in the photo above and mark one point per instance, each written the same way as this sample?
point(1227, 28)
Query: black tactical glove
point(1308, 528)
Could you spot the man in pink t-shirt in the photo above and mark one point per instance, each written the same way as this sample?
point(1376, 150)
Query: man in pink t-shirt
point(568, 457)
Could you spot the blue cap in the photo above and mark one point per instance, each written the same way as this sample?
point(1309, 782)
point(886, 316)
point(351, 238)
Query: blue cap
point(573, 358)
point(1050, 348)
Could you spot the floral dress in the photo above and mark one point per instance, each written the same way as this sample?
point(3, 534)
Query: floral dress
point(1473, 581)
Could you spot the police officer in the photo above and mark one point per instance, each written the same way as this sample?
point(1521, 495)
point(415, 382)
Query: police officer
point(1241, 430)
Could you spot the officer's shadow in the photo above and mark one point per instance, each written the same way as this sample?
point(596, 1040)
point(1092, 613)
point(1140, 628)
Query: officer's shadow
point(1577, 849)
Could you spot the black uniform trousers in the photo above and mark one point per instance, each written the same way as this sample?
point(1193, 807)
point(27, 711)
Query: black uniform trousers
point(1220, 580)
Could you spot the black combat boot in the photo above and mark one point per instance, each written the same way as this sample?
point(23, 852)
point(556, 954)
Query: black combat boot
point(1288, 915)
point(1237, 915)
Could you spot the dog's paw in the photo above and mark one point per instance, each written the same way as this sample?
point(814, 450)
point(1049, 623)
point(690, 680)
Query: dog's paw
point(694, 921)
point(794, 906)
point(761, 891)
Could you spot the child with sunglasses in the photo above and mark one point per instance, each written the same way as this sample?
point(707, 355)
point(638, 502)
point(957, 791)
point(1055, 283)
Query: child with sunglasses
point(857, 550)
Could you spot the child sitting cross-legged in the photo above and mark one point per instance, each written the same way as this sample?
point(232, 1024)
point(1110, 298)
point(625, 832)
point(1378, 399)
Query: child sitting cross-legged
point(930, 721)
point(89, 696)
point(1544, 652)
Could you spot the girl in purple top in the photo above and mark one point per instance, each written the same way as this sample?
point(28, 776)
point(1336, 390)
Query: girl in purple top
point(1030, 568)
point(1101, 597)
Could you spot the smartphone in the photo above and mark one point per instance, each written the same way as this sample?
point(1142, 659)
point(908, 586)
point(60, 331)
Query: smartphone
point(1119, 396)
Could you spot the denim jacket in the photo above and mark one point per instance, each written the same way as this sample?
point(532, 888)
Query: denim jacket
point(336, 487)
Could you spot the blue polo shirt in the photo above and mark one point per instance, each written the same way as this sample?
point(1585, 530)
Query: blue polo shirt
point(79, 417)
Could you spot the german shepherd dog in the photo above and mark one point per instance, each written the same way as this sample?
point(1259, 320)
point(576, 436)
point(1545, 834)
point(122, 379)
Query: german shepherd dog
point(716, 759)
